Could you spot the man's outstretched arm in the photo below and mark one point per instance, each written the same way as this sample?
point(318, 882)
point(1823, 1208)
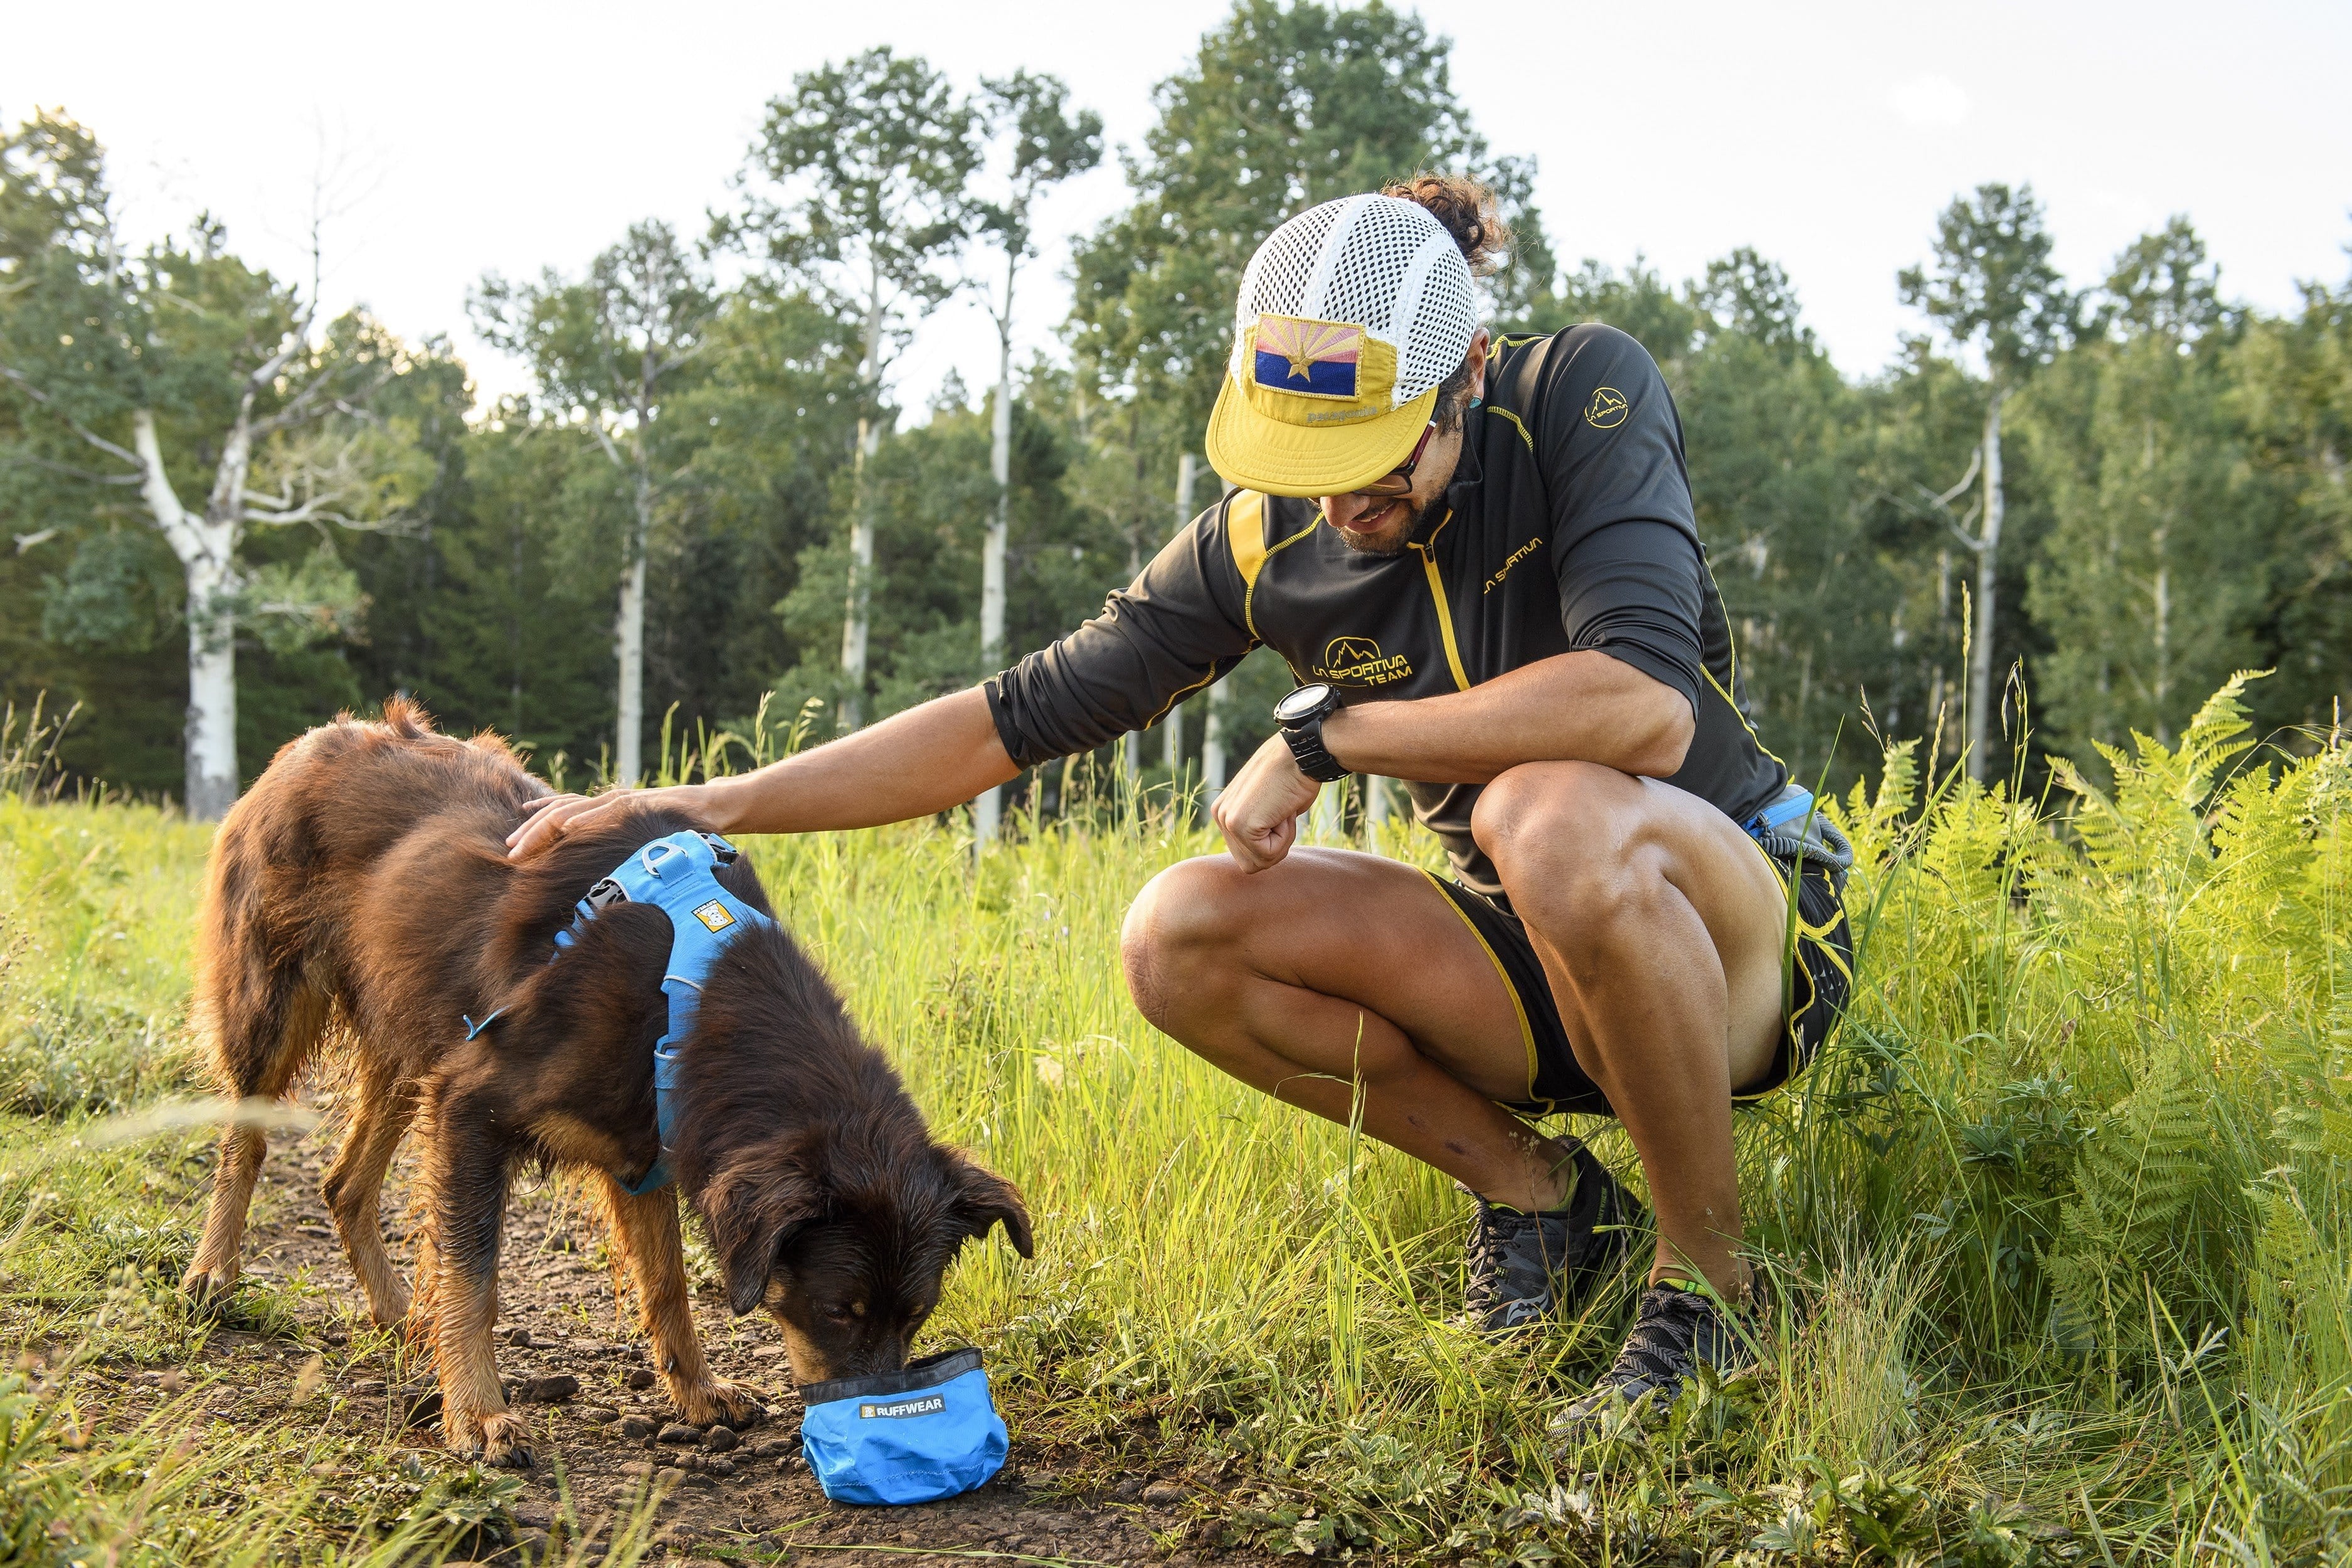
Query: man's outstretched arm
point(914, 763)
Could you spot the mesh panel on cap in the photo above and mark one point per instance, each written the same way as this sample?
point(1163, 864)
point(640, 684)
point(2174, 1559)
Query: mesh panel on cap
point(1395, 271)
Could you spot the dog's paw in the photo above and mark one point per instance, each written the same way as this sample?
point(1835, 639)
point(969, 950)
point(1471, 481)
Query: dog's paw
point(719, 1403)
point(209, 1290)
point(506, 1441)
point(500, 1438)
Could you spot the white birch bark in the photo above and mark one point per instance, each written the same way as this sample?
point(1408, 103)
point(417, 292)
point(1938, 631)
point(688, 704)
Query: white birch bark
point(987, 811)
point(629, 643)
point(1185, 470)
point(855, 618)
point(1987, 550)
point(205, 547)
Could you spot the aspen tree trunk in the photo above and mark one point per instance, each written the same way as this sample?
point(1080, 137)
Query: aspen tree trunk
point(988, 809)
point(629, 642)
point(854, 621)
point(1988, 561)
point(1184, 472)
point(206, 548)
point(212, 777)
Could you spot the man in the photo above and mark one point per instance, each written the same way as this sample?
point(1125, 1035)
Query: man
point(1481, 563)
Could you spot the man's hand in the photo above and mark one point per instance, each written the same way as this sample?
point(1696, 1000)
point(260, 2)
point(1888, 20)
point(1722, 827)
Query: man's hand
point(549, 819)
point(1258, 813)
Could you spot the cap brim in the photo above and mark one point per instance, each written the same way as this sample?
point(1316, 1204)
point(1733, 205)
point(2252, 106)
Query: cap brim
point(1272, 456)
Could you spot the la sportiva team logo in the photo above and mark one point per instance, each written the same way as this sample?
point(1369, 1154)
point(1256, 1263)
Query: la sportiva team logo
point(1359, 661)
point(1311, 358)
point(1607, 410)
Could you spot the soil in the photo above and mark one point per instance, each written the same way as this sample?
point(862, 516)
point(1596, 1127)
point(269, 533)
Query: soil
point(752, 1499)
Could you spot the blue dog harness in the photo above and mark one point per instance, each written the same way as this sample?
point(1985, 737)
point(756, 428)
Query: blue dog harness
point(677, 876)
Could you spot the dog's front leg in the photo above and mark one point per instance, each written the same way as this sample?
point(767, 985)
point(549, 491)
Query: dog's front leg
point(467, 1169)
point(647, 1226)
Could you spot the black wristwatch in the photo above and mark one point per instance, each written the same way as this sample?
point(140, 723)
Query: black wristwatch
point(1301, 716)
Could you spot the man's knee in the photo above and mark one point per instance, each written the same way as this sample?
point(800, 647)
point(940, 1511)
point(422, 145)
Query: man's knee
point(1573, 846)
point(1180, 931)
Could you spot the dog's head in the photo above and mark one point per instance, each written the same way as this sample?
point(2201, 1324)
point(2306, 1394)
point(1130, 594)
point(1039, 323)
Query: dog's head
point(844, 1234)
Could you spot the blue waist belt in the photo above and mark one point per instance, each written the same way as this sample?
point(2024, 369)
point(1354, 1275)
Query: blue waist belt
point(677, 874)
point(1792, 826)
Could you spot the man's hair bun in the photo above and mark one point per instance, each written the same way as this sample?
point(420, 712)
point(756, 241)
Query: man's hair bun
point(1467, 210)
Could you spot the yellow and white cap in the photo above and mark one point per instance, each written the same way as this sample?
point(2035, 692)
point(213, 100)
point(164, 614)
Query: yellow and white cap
point(1350, 315)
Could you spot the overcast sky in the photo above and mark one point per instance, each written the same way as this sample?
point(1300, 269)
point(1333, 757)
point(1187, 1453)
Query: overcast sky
point(499, 137)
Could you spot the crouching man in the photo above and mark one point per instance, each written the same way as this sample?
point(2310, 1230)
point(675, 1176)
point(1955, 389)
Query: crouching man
point(1480, 560)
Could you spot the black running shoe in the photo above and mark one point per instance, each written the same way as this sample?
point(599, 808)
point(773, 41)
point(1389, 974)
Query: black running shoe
point(1523, 1267)
point(1676, 1330)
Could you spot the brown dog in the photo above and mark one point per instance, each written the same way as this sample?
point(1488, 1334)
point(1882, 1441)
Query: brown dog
point(362, 889)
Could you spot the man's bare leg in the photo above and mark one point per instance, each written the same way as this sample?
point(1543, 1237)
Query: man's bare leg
point(1335, 964)
point(1660, 928)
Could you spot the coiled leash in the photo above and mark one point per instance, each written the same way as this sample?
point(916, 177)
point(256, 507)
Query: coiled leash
point(677, 874)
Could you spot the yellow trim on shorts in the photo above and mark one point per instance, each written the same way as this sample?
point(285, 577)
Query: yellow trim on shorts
point(1819, 936)
point(1527, 1030)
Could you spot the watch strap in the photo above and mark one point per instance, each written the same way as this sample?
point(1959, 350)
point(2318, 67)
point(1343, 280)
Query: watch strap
point(1306, 742)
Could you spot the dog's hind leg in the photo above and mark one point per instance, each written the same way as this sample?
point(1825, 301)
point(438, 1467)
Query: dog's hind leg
point(354, 1184)
point(647, 1225)
point(466, 1170)
point(256, 1051)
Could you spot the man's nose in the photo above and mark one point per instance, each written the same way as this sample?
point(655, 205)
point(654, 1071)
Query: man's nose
point(1344, 510)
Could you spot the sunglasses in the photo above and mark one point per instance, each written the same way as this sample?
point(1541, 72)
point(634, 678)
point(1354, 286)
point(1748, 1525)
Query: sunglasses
point(1399, 481)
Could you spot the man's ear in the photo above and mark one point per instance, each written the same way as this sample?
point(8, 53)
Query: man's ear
point(753, 1219)
point(984, 1198)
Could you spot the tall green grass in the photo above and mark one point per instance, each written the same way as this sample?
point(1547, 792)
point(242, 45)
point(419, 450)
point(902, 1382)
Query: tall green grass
point(2060, 1222)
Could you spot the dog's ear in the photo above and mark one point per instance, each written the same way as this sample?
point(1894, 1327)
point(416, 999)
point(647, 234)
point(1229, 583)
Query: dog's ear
point(984, 1198)
point(752, 1220)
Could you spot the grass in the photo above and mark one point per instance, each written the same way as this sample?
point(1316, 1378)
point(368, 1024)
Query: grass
point(2062, 1222)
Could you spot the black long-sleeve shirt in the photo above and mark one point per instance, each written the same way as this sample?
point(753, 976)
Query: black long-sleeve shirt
point(1568, 525)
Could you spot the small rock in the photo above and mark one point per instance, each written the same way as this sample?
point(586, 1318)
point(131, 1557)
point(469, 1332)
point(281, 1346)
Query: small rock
point(336, 1337)
point(317, 1230)
point(1128, 1489)
point(670, 1476)
point(768, 1352)
point(171, 1382)
point(714, 1465)
point(718, 1439)
point(641, 1377)
point(590, 1347)
point(597, 1414)
point(520, 1338)
point(773, 1448)
point(551, 1390)
point(368, 1387)
point(421, 1406)
point(637, 1469)
point(326, 1472)
point(679, 1432)
point(636, 1428)
point(1161, 1494)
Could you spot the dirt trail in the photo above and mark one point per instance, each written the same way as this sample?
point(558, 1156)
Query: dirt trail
point(558, 1324)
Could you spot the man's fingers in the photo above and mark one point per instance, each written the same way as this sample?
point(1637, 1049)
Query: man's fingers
point(544, 827)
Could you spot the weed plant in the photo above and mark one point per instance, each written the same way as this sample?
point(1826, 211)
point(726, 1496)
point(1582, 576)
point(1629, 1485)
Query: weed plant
point(2059, 1225)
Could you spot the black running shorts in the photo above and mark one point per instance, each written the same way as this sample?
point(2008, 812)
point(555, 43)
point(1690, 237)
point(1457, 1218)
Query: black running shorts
point(1820, 977)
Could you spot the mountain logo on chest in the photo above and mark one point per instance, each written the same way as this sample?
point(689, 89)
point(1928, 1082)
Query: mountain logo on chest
point(1359, 661)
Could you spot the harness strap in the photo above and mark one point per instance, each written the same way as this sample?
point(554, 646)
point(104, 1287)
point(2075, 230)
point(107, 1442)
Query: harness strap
point(677, 876)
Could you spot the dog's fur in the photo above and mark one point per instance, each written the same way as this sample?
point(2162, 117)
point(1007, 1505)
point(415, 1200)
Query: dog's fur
point(362, 889)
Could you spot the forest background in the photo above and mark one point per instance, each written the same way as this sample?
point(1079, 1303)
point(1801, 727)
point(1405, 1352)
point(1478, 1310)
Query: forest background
point(2116, 489)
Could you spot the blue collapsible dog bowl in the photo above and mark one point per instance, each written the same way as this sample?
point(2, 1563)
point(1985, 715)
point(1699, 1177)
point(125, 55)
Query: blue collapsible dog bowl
point(914, 1436)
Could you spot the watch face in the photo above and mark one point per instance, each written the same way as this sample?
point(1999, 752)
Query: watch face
point(1301, 704)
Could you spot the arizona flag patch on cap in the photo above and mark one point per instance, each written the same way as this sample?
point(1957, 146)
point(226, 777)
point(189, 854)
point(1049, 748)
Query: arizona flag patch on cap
point(1311, 358)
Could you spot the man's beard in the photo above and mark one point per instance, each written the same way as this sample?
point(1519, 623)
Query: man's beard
point(1398, 543)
